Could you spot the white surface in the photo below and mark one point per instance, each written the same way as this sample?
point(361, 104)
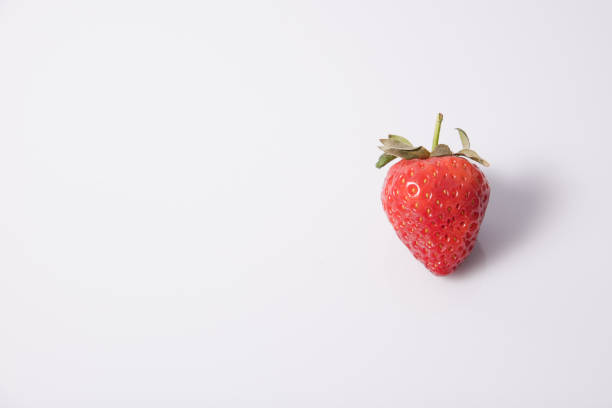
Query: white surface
point(190, 212)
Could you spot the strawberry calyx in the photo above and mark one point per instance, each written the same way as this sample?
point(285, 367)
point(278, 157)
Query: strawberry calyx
point(399, 147)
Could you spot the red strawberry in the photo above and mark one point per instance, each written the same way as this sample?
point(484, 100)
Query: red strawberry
point(436, 201)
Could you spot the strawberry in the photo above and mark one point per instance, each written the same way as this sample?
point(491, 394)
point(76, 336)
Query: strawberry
point(435, 201)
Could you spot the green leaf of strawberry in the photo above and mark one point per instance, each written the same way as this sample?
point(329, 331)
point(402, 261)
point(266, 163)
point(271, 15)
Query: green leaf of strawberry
point(465, 141)
point(400, 139)
point(398, 146)
point(384, 159)
point(472, 155)
point(441, 150)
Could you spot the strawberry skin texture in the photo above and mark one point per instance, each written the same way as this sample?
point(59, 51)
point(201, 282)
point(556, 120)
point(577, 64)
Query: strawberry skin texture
point(436, 207)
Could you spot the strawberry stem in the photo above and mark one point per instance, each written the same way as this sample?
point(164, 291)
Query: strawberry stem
point(437, 132)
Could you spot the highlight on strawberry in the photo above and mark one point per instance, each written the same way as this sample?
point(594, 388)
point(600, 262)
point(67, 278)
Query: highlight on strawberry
point(436, 201)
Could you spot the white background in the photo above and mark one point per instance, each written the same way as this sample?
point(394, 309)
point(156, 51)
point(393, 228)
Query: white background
point(190, 215)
